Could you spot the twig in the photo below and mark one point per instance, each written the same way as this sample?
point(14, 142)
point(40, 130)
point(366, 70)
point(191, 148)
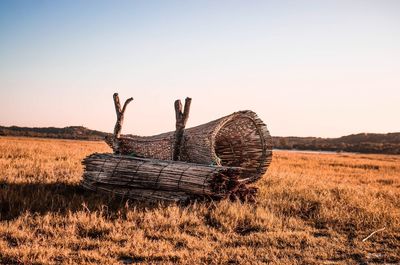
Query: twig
point(365, 239)
point(85, 207)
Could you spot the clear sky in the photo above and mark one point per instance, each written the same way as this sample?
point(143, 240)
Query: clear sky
point(308, 68)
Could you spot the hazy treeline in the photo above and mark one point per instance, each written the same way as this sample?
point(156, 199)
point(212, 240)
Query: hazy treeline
point(362, 143)
point(71, 132)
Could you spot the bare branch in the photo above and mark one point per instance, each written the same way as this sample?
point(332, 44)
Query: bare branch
point(178, 110)
point(120, 120)
point(126, 104)
point(186, 111)
point(117, 104)
point(181, 119)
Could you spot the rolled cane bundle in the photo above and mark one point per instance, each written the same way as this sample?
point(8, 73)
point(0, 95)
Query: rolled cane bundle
point(152, 179)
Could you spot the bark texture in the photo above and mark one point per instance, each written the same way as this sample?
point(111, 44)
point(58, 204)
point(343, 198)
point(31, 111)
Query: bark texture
point(120, 120)
point(181, 118)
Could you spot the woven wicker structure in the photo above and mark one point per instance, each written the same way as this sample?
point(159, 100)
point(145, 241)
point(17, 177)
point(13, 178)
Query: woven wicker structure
point(153, 180)
point(237, 140)
point(216, 160)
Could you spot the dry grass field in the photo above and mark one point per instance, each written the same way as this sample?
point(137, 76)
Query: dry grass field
point(311, 209)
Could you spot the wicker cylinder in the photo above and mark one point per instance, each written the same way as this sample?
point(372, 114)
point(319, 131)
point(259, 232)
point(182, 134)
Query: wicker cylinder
point(237, 140)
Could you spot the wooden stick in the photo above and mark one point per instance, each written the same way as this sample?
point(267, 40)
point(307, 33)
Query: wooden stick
point(120, 120)
point(181, 120)
point(365, 239)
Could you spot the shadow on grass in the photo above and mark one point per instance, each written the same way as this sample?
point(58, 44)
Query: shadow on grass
point(38, 198)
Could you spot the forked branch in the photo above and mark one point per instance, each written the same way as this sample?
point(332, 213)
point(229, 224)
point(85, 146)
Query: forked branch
point(182, 115)
point(120, 120)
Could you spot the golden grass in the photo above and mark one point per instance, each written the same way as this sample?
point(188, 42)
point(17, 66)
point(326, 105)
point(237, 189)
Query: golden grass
point(311, 209)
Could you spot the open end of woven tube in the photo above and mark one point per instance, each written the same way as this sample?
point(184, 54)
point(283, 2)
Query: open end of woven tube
point(242, 140)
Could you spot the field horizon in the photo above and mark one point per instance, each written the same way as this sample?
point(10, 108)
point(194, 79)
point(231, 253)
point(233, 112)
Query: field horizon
point(373, 143)
point(310, 209)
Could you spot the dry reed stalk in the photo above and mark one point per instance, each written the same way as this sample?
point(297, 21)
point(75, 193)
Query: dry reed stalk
point(152, 179)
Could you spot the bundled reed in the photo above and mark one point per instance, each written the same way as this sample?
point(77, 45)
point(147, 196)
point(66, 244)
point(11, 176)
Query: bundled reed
point(154, 180)
point(214, 160)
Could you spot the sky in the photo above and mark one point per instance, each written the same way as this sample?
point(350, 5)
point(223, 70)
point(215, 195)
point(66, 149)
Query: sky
point(308, 68)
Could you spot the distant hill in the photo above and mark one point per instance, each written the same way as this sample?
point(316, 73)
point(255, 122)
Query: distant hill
point(362, 143)
point(71, 132)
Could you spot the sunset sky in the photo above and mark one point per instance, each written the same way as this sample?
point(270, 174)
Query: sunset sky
point(308, 68)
